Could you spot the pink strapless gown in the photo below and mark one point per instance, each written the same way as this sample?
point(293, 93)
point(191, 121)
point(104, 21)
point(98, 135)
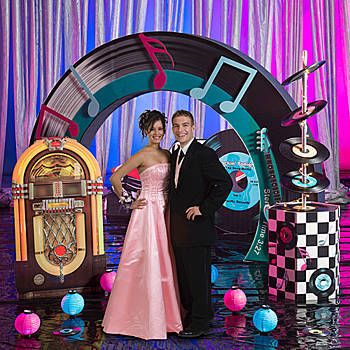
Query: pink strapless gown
point(144, 301)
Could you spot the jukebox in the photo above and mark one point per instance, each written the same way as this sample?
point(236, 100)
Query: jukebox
point(57, 191)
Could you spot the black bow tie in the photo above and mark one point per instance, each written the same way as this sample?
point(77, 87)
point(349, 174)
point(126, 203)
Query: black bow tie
point(181, 156)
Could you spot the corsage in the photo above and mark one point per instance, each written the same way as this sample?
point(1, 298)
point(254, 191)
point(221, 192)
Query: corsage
point(125, 199)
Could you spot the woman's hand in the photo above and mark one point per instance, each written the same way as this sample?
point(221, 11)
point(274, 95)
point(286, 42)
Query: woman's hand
point(139, 203)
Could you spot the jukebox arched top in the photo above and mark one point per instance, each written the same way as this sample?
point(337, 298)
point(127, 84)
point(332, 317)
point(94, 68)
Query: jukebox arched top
point(57, 165)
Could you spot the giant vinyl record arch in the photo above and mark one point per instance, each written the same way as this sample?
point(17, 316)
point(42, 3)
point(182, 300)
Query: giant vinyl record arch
point(202, 68)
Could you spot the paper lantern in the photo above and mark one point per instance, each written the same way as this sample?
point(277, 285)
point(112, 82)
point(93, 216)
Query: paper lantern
point(265, 319)
point(72, 303)
point(214, 273)
point(107, 280)
point(235, 299)
point(27, 322)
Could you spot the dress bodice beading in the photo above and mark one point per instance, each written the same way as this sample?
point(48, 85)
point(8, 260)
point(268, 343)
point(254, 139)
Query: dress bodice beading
point(155, 181)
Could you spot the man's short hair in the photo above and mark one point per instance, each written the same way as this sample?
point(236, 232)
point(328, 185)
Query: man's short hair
point(182, 112)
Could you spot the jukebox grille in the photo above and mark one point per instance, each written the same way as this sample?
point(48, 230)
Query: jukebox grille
point(60, 241)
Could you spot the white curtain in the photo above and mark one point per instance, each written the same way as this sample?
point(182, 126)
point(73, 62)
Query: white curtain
point(50, 35)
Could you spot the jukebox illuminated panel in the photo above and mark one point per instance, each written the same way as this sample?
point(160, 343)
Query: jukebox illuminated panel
point(57, 189)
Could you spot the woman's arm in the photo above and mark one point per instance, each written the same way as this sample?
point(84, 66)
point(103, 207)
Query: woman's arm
point(133, 162)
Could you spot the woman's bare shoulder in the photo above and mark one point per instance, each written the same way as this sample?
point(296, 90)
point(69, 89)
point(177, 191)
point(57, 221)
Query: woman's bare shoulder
point(166, 152)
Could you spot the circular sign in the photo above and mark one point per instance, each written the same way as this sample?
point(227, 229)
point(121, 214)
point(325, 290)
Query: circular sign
point(245, 191)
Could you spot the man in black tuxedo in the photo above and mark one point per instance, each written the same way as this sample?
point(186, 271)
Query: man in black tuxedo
point(199, 185)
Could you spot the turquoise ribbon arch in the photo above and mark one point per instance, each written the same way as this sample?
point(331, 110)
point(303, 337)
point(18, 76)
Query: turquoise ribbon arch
point(244, 124)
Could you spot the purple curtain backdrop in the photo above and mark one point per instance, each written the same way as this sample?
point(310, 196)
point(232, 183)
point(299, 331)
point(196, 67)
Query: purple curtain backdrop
point(41, 38)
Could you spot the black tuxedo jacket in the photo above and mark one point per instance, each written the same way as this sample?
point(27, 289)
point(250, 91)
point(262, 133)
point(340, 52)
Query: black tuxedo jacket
point(203, 182)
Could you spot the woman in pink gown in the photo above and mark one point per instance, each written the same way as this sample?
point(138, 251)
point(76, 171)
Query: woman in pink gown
point(144, 301)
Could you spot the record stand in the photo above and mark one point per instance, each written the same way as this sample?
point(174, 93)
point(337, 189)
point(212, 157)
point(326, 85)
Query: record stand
point(304, 235)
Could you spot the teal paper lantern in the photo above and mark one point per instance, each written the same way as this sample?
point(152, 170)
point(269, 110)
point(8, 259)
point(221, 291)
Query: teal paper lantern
point(214, 273)
point(265, 319)
point(72, 303)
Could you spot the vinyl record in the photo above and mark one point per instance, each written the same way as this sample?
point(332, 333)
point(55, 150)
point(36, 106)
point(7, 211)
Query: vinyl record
point(315, 151)
point(67, 331)
point(307, 70)
point(297, 116)
point(315, 332)
point(322, 283)
point(242, 204)
point(287, 236)
point(315, 182)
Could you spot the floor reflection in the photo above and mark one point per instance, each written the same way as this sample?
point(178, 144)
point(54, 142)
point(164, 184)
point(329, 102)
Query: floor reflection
point(324, 326)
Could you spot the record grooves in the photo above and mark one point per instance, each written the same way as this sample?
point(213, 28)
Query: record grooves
point(314, 183)
point(315, 151)
point(307, 70)
point(297, 116)
point(243, 202)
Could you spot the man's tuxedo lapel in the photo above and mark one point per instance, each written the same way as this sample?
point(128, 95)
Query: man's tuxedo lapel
point(186, 163)
point(173, 166)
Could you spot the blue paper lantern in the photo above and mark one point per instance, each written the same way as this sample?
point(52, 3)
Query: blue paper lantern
point(72, 303)
point(265, 319)
point(214, 273)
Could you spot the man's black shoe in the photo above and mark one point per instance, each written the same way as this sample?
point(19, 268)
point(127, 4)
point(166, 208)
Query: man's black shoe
point(193, 333)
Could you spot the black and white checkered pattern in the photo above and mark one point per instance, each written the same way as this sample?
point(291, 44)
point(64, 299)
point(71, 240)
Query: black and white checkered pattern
point(314, 246)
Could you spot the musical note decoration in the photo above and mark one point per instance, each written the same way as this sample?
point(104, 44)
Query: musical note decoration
point(148, 42)
point(283, 281)
point(322, 242)
point(304, 255)
point(73, 126)
point(225, 106)
point(94, 106)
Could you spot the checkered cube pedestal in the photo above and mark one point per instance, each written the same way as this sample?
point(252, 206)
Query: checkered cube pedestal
point(304, 252)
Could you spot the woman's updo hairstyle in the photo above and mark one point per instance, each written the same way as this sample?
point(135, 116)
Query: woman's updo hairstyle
point(148, 118)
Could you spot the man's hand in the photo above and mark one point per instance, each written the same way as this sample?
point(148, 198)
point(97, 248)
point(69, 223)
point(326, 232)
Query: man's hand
point(192, 212)
point(139, 203)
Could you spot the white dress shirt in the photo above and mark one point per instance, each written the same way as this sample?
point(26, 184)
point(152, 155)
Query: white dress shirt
point(184, 149)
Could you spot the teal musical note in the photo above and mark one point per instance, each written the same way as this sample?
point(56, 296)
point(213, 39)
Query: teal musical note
point(225, 106)
point(94, 106)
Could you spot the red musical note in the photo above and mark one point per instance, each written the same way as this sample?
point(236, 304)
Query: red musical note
point(304, 254)
point(160, 78)
point(73, 126)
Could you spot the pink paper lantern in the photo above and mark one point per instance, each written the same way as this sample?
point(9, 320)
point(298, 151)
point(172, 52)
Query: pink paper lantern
point(107, 280)
point(235, 299)
point(27, 323)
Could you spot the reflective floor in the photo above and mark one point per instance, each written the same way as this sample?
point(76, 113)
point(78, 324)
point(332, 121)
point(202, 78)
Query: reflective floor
point(228, 331)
